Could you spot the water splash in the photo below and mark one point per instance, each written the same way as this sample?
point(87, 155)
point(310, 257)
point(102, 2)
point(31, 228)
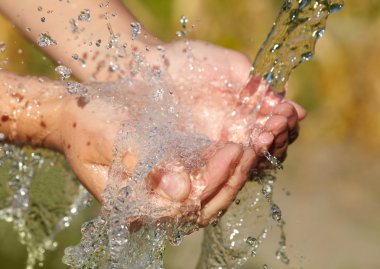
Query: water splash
point(38, 212)
point(130, 232)
point(291, 42)
point(292, 39)
point(241, 231)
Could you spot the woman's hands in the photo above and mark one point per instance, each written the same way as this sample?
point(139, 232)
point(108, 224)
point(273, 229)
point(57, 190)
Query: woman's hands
point(209, 83)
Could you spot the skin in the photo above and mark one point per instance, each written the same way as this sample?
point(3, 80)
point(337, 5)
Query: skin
point(85, 130)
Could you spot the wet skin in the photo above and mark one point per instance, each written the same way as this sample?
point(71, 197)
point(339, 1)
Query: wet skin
point(89, 130)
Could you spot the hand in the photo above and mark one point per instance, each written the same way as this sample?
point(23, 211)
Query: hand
point(90, 127)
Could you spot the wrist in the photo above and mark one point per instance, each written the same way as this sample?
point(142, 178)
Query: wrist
point(30, 110)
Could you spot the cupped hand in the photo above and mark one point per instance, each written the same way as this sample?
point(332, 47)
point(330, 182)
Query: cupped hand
point(212, 86)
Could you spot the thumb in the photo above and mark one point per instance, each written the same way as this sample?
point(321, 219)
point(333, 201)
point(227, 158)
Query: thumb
point(172, 184)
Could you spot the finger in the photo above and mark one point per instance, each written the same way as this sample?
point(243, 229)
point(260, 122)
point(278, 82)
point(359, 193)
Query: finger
point(281, 140)
point(93, 177)
point(171, 182)
point(293, 134)
point(263, 142)
point(301, 112)
point(227, 194)
point(219, 168)
point(288, 111)
point(276, 124)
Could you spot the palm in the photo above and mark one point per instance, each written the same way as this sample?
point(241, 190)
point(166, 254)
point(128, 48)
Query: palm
point(207, 87)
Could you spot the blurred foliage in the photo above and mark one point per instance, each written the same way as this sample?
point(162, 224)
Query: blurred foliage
point(340, 87)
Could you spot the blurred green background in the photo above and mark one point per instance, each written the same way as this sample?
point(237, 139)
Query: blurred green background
point(333, 170)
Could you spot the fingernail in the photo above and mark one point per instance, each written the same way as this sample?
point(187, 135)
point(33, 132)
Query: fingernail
point(173, 185)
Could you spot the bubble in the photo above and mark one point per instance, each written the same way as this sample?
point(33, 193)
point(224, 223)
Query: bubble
point(84, 15)
point(63, 71)
point(45, 40)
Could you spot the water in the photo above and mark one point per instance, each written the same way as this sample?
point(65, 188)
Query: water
point(45, 40)
point(131, 232)
point(38, 196)
point(290, 42)
point(292, 39)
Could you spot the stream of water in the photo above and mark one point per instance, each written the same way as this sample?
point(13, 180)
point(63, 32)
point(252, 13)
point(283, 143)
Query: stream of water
point(131, 230)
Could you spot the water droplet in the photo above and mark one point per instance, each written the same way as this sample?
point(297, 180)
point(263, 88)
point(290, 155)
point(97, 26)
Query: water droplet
point(136, 30)
point(335, 7)
point(98, 42)
point(307, 56)
point(319, 33)
point(45, 40)
point(281, 255)
point(251, 241)
point(28, 29)
point(214, 222)
point(159, 94)
point(265, 266)
point(43, 19)
point(113, 40)
point(275, 47)
point(183, 22)
point(39, 8)
point(273, 160)
point(266, 190)
point(253, 253)
point(237, 201)
point(84, 15)
point(276, 213)
point(73, 25)
point(114, 66)
point(63, 71)
point(303, 3)
point(177, 240)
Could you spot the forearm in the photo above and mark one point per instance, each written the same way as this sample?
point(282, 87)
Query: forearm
point(30, 110)
point(90, 41)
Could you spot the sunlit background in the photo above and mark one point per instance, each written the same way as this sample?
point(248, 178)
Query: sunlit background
point(332, 171)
